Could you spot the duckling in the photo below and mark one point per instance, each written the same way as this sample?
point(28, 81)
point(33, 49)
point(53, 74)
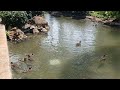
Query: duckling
point(23, 60)
point(29, 57)
point(14, 65)
point(78, 44)
point(28, 70)
point(103, 58)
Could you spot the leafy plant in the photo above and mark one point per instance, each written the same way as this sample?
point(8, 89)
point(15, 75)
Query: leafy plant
point(14, 18)
point(106, 14)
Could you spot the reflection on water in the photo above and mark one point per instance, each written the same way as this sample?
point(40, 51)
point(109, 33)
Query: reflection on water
point(56, 55)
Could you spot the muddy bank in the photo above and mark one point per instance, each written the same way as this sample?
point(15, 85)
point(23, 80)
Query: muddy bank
point(73, 14)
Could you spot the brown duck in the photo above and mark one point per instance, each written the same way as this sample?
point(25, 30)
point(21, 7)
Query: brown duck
point(103, 58)
point(78, 44)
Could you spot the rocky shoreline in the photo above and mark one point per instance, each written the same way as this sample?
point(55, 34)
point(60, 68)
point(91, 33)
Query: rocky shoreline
point(83, 15)
point(110, 22)
point(36, 25)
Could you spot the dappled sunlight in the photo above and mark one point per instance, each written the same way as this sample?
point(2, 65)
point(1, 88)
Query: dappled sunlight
point(55, 62)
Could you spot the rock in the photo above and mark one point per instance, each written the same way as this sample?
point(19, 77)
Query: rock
point(32, 27)
point(22, 36)
point(16, 34)
point(10, 35)
point(27, 26)
point(44, 30)
point(38, 20)
point(39, 28)
point(47, 27)
point(36, 25)
point(35, 31)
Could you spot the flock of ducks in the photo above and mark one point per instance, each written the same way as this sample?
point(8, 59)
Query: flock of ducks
point(17, 65)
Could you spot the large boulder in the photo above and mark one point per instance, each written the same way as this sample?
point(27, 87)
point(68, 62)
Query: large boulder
point(38, 20)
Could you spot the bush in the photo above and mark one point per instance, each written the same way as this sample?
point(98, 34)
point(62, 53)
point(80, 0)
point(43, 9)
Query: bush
point(33, 13)
point(14, 18)
point(106, 14)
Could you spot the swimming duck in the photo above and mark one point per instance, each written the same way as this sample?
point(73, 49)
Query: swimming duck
point(28, 70)
point(78, 44)
point(14, 65)
point(103, 58)
point(29, 57)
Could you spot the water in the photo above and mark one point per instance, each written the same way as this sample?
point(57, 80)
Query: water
point(57, 57)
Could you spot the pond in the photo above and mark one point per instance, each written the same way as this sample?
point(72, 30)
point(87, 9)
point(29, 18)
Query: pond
point(57, 57)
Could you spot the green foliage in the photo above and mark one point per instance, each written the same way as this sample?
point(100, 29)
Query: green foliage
point(14, 18)
point(33, 13)
point(106, 14)
point(97, 14)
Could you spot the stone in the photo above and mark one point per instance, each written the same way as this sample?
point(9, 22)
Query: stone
point(16, 34)
point(35, 31)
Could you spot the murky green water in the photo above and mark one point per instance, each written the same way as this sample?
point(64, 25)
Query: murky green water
point(57, 57)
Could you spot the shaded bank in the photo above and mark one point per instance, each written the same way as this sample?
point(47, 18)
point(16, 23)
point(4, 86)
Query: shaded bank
point(73, 14)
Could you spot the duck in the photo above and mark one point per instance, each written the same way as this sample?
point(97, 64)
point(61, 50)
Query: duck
point(78, 44)
point(29, 57)
point(103, 58)
point(14, 65)
point(28, 70)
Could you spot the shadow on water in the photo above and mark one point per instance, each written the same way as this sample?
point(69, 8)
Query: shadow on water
point(78, 67)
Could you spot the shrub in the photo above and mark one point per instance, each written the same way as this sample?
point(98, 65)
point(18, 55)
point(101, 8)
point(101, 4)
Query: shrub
point(14, 18)
point(33, 13)
point(106, 14)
